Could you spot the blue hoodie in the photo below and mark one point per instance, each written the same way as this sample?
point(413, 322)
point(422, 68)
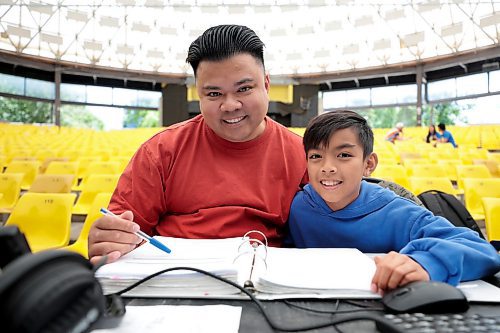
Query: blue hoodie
point(379, 221)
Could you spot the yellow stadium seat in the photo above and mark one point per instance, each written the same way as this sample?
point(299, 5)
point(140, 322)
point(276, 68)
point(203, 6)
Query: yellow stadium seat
point(44, 218)
point(450, 167)
point(471, 171)
point(64, 168)
point(395, 173)
point(27, 167)
point(477, 188)
point(490, 164)
point(81, 244)
point(47, 183)
point(91, 186)
point(491, 208)
point(426, 170)
point(10, 187)
point(422, 184)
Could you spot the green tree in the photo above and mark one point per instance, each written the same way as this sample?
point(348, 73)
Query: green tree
point(446, 113)
point(78, 116)
point(388, 117)
point(25, 111)
point(141, 118)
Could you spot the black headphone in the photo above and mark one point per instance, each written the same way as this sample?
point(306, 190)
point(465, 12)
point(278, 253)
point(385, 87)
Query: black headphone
point(50, 291)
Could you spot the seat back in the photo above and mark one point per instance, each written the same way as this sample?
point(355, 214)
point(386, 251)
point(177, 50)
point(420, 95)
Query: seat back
point(94, 212)
point(422, 184)
point(426, 170)
point(471, 171)
point(10, 187)
point(47, 183)
point(477, 188)
point(492, 218)
point(395, 173)
point(93, 185)
point(44, 218)
point(27, 167)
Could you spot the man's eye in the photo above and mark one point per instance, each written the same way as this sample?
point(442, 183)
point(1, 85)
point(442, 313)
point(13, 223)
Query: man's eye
point(213, 94)
point(243, 89)
point(314, 156)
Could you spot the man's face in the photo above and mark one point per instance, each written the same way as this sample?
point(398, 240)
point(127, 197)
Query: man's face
point(233, 96)
point(335, 172)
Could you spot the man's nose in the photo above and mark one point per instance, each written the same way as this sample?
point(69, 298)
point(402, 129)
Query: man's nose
point(230, 103)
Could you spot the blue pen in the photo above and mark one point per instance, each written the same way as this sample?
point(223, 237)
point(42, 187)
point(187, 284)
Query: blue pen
point(141, 234)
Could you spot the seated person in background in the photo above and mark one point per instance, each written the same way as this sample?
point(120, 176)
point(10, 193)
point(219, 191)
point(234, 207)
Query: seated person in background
point(395, 133)
point(227, 171)
point(339, 209)
point(431, 135)
point(445, 136)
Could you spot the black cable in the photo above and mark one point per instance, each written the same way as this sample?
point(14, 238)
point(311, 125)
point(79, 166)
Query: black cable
point(384, 323)
point(336, 311)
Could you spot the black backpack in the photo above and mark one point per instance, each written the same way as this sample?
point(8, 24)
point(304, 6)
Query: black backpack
point(449, 207)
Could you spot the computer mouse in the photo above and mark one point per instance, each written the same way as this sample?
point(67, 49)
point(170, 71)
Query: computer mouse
point(425, 297)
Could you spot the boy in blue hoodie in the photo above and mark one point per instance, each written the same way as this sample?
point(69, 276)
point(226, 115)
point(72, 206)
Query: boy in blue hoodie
point(338, 209)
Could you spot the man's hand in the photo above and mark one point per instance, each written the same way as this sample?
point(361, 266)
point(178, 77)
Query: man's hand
point(394, 270)
point(112, 236)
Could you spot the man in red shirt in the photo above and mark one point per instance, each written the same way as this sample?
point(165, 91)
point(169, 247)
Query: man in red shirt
point(227, 171)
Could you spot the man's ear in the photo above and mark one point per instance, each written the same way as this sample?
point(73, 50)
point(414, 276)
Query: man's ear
point(267, 82)
point(370, 164)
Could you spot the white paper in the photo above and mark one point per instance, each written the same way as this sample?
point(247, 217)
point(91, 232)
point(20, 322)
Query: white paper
point(178, 319)
point(480, 291)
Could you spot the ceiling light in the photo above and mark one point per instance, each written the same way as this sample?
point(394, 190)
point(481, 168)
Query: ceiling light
point(77, 15)
point(92, 45)
point(493, 19)
point(452, 29)
point(18, 31)
point(53, 39)
point(109, 21)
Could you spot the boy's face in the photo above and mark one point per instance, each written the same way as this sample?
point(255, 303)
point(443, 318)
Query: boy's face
point(335, 172)
point(233, 96)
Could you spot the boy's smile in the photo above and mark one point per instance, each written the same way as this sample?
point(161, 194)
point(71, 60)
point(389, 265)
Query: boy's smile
point(335, 171)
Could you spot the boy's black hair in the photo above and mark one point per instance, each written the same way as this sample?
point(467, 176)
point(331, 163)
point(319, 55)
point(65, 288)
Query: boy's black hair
point(224, 41)
point(442, 126)
point(320, 129)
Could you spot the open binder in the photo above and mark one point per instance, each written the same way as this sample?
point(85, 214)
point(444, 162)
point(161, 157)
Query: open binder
point(269, 272)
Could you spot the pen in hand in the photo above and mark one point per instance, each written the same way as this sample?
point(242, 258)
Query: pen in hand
point(143, 235)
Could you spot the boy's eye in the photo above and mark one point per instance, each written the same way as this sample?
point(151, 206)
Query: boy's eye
point(314, 156)
point(344, 155)
point(213, 94)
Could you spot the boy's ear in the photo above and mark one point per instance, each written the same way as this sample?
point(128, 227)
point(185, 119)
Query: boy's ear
point(371, 164)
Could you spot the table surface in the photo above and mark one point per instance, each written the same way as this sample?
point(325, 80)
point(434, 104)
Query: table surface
point(288, 314)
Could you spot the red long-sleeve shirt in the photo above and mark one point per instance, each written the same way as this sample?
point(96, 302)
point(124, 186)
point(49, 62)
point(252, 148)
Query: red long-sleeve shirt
point(188, 182)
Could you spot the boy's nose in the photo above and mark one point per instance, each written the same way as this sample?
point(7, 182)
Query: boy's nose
point(328, 168)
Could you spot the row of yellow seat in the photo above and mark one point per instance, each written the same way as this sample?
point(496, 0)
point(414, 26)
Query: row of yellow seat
point(10, 188)
point(45, 220)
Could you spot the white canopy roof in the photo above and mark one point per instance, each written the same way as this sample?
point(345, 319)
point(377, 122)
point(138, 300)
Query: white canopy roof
point(305, 36)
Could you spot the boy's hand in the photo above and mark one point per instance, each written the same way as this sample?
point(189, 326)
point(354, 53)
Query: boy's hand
point(394, 270)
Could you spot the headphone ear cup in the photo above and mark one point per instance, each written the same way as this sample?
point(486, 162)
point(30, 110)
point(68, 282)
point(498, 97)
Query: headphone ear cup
point(52, 291)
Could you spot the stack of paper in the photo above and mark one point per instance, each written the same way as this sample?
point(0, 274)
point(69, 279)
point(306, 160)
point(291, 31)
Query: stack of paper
point(215, 256)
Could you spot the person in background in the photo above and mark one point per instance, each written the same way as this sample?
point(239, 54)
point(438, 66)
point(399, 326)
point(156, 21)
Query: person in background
point(227, 171)
point(395, 133)
point(431, 134)
point(340, 209)
point(444, 136)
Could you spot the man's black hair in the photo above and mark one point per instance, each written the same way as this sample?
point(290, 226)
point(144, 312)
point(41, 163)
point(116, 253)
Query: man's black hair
point(442, 126)
point(321, 128)
point(224, 41)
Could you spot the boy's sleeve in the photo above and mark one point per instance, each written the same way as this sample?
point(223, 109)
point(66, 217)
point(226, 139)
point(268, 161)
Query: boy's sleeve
point(448, 253)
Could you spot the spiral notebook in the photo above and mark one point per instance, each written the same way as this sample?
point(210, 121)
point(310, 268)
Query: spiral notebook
point(269, 272)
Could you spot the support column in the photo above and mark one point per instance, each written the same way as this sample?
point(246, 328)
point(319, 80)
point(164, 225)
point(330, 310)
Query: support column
point(174, 104)
point(303, 108)
point(420, 79)
point(56, 110)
